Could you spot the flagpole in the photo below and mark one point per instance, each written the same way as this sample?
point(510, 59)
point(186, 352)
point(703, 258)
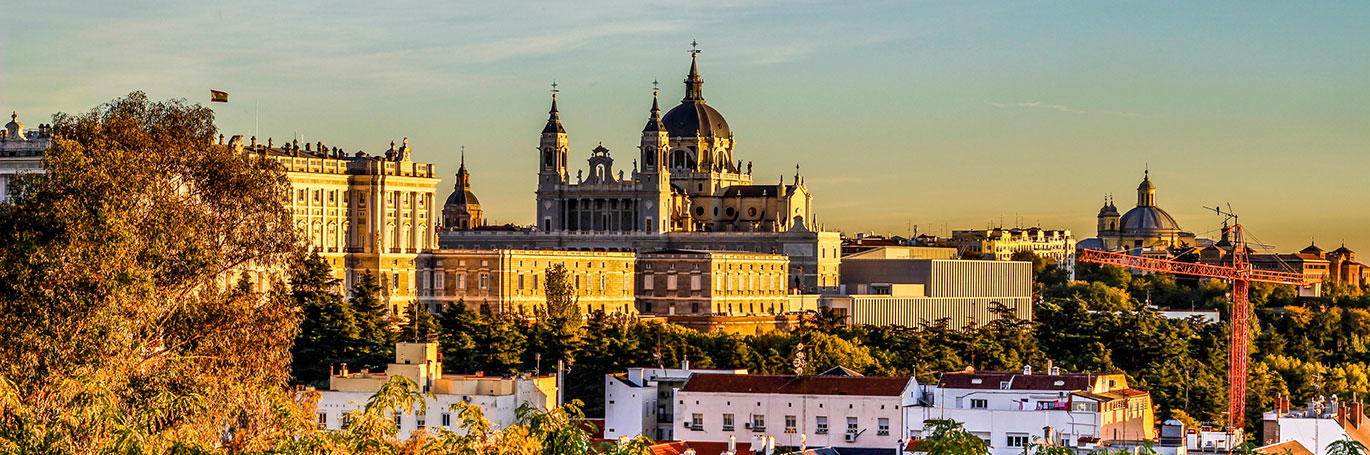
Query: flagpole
point(257, 125)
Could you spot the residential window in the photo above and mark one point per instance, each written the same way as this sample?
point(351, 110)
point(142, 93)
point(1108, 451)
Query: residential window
point(697, 422)
point(758, 422)
point(446, 419)
point(790, 424)
point(852, 426)
point(727, 422)
point(821, 425)
point(882, 426)
point(1017, 440)
point(420, 420)
point(323, 419)
point(979, 403)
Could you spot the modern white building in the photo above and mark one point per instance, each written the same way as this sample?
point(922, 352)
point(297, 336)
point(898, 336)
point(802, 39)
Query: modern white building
point(642, 401)
point(498, 397)
point(851, 413)
point(1013, 410)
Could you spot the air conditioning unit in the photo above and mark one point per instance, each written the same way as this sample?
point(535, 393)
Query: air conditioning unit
point(685, 424)
point(849, 437)
point(747, 425)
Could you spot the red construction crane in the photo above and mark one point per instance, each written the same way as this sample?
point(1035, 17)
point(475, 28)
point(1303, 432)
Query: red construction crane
point(1241, 275)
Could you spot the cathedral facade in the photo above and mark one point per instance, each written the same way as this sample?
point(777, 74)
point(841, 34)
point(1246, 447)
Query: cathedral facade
point(685, 190)
point(684, 179)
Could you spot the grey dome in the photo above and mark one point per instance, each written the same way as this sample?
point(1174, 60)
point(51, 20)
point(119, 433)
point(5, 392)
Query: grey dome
point(695, 119)
point(1147, 219)
point(460, 197)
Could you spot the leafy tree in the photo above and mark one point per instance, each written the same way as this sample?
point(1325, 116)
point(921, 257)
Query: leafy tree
point(949, 437)
point(1346, 447)
point(123, 327)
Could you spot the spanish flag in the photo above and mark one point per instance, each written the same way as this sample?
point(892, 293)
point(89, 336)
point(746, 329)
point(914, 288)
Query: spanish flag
point(216, 96)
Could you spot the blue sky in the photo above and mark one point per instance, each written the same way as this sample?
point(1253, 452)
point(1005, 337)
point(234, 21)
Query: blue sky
point(936, 114)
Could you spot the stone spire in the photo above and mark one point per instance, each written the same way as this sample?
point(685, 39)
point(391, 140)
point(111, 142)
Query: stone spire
point(694, 92)
point(463, 178)
point(654, 123)
point(554, 116)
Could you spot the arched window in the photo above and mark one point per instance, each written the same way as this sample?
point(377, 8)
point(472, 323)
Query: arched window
point(547, 160)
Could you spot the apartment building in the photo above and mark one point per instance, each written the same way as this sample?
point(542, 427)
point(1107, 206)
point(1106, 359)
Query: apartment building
point(1013, 410)
point(850, 413)
point(641, 401)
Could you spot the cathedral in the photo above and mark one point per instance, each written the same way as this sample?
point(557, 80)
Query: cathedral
point(684, 190)
point(1144, 227)
point(684, 179)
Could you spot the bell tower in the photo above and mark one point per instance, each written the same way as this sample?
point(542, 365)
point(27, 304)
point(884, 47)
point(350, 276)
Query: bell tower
point(552, 149)
point(655, 145)
point(655, 176)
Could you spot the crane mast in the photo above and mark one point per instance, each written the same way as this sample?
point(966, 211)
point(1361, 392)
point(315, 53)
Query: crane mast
point(1241, 275)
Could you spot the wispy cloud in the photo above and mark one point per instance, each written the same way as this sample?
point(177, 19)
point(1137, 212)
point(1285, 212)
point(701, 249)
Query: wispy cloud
point(1070, 110)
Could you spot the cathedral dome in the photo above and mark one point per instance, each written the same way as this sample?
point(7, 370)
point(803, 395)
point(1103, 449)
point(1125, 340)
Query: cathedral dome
point(463, 197)
point(694, 118)
point(1147, 219)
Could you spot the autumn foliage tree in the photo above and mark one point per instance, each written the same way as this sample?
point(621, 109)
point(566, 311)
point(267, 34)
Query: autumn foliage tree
point(121, 322)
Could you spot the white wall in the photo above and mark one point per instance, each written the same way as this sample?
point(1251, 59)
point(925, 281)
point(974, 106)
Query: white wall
point(1315, 434)
point(805, 408)
point(500, 410)
point(628, 411)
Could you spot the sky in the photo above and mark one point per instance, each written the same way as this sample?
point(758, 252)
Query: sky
point(936, 114)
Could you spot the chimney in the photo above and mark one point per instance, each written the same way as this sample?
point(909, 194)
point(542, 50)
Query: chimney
point(1027, 370)
point(344, 370)
point(732, 443)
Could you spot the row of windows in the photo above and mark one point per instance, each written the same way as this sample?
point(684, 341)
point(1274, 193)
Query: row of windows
point(758, 424)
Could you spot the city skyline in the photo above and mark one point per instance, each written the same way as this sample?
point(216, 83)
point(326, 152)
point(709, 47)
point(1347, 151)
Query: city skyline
point(949, 115)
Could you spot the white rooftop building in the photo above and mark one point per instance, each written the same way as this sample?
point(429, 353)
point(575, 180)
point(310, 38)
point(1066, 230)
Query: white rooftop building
point(838, 409)
point(1014, 410)
point(498, 397)
point(642, 401)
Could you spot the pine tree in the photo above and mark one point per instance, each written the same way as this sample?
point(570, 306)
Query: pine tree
point(329, 334)
point(378, 340)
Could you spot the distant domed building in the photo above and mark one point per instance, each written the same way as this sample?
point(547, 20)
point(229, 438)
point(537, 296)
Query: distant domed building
point(462, 210)
point(1145, 226)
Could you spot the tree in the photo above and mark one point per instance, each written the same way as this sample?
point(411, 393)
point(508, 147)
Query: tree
point(379, 346)
point(1346, 447)
point(949, 437)
point(329, 334)
point(118, 307)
